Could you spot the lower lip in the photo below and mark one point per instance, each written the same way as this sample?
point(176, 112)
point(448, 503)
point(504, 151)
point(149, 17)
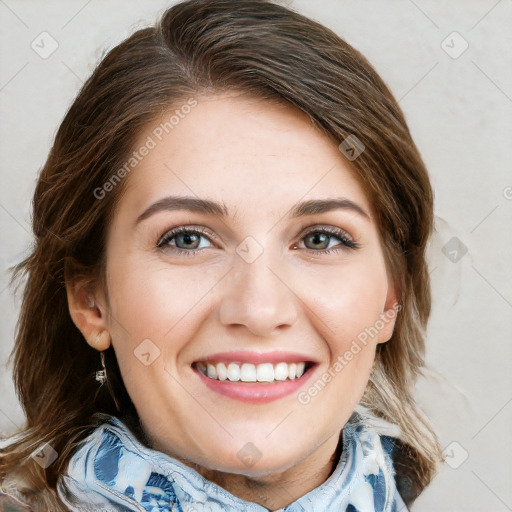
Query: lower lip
point(256, 392)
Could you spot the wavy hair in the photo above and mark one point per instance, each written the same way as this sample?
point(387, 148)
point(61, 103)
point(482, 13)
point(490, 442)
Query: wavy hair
point(267, 51)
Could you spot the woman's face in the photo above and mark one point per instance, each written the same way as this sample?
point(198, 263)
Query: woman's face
point(264, 284)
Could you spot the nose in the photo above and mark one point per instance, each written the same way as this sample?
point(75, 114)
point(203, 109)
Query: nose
point(258, 298)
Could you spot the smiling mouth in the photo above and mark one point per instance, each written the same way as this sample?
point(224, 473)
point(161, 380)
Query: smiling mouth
point(247, 372)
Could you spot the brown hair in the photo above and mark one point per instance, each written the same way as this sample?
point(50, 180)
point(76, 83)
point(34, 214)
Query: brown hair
point(265, 50)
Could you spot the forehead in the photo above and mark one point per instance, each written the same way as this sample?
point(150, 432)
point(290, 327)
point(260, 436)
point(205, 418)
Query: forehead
point(245, 152)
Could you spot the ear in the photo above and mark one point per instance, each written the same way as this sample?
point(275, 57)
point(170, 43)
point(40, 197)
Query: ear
point(86, 305)
point(387, 319)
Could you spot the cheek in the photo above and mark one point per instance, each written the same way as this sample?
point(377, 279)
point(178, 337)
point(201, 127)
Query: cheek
point(157, 310)
point(346, 300)
point(155, 315)
point(155, 296)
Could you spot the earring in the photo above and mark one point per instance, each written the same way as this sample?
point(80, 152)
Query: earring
point(101, 375)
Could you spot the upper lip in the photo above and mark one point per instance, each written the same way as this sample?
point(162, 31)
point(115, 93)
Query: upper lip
point(247, 356)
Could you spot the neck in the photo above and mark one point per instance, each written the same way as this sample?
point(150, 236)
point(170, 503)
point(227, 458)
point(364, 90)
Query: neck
point(277, 490)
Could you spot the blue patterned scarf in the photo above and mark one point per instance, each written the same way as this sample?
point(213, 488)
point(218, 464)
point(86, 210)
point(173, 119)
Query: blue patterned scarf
point(113, 471)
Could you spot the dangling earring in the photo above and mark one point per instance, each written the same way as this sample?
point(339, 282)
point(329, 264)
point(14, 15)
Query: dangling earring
point(101, 375)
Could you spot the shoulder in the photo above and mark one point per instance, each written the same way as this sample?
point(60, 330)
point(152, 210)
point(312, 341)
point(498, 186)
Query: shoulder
point(398, 453)
point(403, 461)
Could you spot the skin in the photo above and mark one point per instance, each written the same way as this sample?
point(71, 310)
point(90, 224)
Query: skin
point(259, 159)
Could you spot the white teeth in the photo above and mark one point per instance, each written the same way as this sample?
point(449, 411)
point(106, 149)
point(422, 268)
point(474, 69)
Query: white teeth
point(211, 371)
point(265, 372)
point(233, 372)
point(281, 371)
point(247, 372)
point(222, 371)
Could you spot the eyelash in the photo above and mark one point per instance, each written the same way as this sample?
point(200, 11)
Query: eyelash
point(340, 234)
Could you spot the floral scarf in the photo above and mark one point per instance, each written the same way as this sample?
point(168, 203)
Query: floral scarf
point(113, 471)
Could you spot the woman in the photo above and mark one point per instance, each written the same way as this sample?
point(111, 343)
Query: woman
point(226, 302)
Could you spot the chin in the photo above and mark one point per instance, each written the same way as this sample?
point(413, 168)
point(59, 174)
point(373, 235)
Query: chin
point(251, 462)
point(258, 471)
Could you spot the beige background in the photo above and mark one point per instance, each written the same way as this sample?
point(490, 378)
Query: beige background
point(458, 103)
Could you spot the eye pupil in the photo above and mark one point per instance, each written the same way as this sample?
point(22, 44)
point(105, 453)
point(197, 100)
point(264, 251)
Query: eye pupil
point(319, 238)
point(188, 239)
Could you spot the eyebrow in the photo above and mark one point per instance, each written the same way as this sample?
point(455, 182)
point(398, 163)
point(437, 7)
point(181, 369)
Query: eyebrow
point(206, 206)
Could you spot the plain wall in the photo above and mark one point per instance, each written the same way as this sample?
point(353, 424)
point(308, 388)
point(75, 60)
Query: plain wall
point(459, 108)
